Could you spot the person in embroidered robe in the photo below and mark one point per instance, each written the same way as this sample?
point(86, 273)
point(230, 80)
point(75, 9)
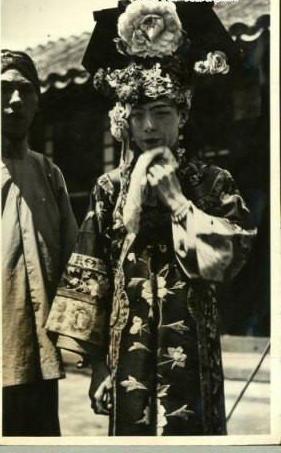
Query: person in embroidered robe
point(38, 234)
point(139, 292)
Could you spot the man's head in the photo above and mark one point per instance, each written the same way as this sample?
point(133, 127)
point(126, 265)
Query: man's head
point(156, 123)
point(20, 93)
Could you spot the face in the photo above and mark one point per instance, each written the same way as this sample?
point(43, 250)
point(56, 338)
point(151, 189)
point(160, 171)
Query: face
point(19, 104)
point(154, 124)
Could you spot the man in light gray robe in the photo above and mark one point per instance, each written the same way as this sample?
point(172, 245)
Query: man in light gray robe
point(38, 232)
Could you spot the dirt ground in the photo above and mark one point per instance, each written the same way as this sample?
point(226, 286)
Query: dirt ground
point(252, 415)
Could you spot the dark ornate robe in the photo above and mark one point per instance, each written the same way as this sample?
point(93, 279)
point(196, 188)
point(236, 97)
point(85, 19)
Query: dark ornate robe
point(151, 303)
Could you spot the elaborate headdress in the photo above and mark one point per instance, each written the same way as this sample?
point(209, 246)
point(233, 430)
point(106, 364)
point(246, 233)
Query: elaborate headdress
point(146, 49)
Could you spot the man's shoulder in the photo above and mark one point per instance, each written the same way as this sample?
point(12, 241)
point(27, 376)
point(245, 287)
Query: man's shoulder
point(44, 162)
point(35, 155)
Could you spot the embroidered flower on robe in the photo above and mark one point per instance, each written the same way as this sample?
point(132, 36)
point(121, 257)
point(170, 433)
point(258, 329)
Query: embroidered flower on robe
point(162, 390)
point(161, 417)
point(176, 356)
point(132, 384)
point(137, 346)
point(137, 326)
point(182, 412)
point(178, 326)
point(162, 291)
point(131, 257)
point(146, 416)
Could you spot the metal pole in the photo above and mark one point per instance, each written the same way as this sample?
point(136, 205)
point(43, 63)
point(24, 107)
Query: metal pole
point(251, 377)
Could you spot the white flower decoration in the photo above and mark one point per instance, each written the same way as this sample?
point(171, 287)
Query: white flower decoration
point(137, 325)
point(118, 121)
point(176, 357)
point(215, 63)
point(147, 290)
point(150, 28)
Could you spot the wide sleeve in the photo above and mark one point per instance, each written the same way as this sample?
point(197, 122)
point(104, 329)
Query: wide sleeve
point(79, 313)
point(213, 238)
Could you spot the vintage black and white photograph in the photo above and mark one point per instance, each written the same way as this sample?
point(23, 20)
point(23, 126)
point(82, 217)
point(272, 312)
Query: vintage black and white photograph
point(137, 221)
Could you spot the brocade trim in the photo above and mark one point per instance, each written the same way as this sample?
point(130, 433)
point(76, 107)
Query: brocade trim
point(78, 319)
point(87, 262)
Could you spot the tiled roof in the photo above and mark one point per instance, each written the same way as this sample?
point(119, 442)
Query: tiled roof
point(59, 62)
point(245, 11)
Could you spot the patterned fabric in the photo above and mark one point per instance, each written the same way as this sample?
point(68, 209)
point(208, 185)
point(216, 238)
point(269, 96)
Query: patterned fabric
point(77, 312)
point(164, 346)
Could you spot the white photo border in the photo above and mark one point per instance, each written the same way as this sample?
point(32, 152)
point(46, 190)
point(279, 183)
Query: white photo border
point(160, 443)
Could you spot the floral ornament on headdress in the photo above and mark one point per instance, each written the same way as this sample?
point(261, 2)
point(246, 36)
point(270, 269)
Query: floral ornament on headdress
point(133, 83)
point(149, 28)
point(119, 125)
point(215, 63)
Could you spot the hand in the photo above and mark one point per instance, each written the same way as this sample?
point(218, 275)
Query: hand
point(100, 391)
point(163, 179)
point(136, 193)
point(139, 173)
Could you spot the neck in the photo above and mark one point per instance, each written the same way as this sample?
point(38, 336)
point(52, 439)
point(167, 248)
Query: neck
point(14, 148)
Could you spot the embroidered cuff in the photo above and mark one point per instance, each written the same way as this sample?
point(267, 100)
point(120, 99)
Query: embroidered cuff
point(79, 319)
